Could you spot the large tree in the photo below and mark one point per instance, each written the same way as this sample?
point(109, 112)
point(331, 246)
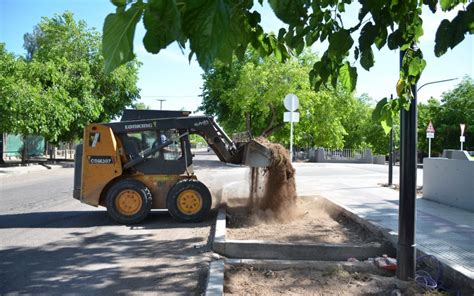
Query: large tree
point(248, 95)
point(60, 86)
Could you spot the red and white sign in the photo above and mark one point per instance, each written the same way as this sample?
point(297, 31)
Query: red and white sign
point(430, 128)
point(430, 131)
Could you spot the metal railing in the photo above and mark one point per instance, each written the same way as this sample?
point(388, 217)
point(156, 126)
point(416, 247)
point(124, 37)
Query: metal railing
point(343, 154)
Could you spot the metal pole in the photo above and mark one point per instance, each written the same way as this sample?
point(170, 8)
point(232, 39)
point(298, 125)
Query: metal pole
point(406, 253)
point(161, 103)
point(461, 145)
point(429, 147)
point(390, 155)
point(291, 132)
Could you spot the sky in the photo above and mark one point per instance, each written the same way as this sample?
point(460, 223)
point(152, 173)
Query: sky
point(170, 77)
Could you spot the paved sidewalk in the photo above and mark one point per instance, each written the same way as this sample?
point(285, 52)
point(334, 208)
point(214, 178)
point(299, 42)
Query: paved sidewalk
point(21, 170)
point(443, 231)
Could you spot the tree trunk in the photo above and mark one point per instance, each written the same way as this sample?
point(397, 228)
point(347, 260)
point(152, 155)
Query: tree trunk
point(271, 127)
point(24, 152)
point(248, 123)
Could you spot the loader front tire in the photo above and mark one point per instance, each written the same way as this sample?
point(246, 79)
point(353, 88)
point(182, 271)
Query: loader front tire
point(128, 201)
point(189, 201)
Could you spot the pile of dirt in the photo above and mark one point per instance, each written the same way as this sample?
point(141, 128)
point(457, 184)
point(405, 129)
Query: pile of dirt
point(278, 201)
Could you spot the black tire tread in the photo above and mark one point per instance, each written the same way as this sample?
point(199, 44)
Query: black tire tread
point(189, 184)
point(134, 185)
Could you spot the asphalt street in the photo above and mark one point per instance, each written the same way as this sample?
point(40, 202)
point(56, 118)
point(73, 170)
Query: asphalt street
point(52, 244)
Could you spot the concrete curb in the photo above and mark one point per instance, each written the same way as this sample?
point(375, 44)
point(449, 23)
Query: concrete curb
point(215, 282)
point(257, 249)
point(373, 227)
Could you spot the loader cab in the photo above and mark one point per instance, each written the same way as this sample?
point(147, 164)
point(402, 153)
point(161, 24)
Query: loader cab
point(173, 159)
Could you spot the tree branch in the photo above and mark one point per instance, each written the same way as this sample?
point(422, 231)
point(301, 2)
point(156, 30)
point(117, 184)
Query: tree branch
point(272, 129)
point(265, 132)
point(248, 123)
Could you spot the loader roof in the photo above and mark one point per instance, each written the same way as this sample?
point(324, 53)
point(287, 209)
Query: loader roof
point(132, 114)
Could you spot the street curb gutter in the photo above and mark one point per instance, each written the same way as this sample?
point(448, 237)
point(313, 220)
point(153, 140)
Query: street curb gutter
point(215, 282)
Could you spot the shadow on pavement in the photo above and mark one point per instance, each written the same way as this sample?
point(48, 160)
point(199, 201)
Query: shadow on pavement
point(84, 219)
point(107, 261)
point(66, 219)
point(103, 264)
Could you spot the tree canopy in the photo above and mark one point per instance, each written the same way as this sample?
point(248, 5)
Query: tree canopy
point(219, 29)
point(248, 95)
point(60, 86)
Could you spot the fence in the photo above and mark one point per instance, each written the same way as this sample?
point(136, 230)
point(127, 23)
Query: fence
point(339, 155)
point(343, 154)
point(66, 154)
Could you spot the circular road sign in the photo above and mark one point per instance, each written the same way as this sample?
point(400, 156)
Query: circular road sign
point(291, 102)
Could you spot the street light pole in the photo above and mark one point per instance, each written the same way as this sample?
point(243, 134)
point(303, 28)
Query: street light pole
point(161, 103)
point(406, 248)
point(438, 81)
point(390, 155)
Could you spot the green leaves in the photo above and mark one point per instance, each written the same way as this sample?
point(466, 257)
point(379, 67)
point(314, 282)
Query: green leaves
point(340, 43)
point(292, 12)
point(62, 86)
point(348, 76)
point(214, 30)
point(220, 29)
point(163, 24)
point(386, 111)
point(119, 3)
point(367, 58)
point(119, 30)
point(412, 66)
point(451, 33)
point(449, 4)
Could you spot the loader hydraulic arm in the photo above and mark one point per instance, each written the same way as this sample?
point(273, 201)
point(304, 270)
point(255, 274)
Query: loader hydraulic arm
point(205, 126)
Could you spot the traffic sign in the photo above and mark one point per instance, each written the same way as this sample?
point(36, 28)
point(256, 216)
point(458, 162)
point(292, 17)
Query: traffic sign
point(291, 102)
point(462, 125)
point(287, 117)
point(462, 139)
point(430, 135)
point(430, 128)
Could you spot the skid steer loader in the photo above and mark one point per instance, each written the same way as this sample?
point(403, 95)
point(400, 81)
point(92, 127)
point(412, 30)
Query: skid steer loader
point(144, 162)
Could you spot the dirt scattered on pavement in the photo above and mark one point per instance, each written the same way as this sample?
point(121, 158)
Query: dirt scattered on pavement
point(247, 280)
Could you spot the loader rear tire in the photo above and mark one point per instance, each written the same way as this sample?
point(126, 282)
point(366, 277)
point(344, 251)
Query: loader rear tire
point(128, 201)
point(189, 201)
